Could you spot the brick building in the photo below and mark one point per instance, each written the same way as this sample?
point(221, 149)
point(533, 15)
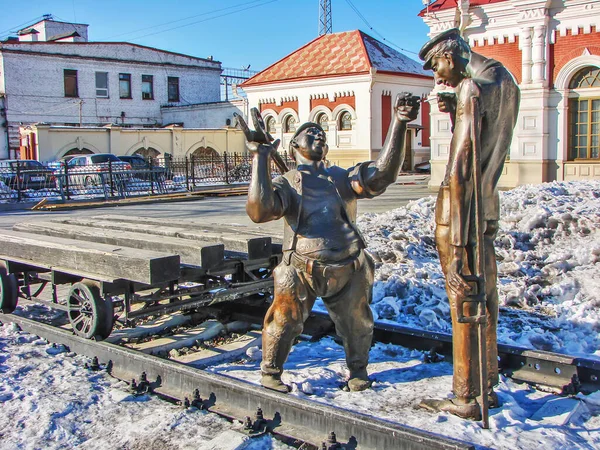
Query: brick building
point(552, 49)
point(346, 82)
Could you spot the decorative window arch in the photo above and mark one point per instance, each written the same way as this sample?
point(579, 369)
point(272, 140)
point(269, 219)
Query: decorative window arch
point(584, 114)
point(270, 124)
point(147, 153)
point(345, 121)
point(76, 151)
point(323, 120)
point(289, 124)
point(206, 153)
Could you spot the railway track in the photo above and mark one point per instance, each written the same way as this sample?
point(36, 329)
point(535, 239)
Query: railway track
point(301, 422)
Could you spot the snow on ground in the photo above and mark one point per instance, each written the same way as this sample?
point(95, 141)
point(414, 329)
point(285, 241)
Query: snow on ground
point(548, 249)
point(49, 400)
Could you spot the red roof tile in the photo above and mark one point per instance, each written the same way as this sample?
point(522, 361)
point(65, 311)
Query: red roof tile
point(346, 53)
point(440, 5)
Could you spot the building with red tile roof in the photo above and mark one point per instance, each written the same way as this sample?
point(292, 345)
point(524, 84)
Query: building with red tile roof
point(552, 49)
point(346, 81)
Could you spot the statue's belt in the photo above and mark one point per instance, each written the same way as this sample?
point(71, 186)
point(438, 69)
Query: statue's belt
point(314, 266)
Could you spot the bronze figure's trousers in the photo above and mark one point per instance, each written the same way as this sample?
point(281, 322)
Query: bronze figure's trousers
point(464, 335)
point(346, 290)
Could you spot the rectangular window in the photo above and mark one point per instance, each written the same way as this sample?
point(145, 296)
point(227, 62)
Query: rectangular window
point(173, 83)
point(71, 83)
point(102, 84)
point(124, 85)
point(147, 87)
point(585, 128)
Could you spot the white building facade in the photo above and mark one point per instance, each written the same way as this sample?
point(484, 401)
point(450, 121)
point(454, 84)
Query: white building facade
point(346, 82)
point(552, 49)
point(53, 75)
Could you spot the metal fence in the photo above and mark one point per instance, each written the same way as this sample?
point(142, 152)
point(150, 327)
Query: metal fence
point(25, 181)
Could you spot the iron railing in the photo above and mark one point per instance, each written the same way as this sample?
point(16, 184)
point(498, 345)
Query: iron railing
point(19, 182)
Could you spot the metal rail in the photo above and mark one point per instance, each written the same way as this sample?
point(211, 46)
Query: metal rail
point(289, 416)
point(563, 373)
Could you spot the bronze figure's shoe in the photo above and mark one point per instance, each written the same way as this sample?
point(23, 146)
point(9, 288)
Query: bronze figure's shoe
point(469, 410)
point(359, 381)
point(493, 401)
point(274, 383)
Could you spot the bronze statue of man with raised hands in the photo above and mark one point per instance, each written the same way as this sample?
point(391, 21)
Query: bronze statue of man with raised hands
point(323, 250)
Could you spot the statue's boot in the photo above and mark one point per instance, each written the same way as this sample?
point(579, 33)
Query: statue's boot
point(493, 401)
point(463, 408)
point(359, 381)
point(274, 383)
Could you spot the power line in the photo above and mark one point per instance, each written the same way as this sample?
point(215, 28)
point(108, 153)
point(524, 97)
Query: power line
point(18, 27)
point(181, 20)
point(355, 9)
point(203, 20)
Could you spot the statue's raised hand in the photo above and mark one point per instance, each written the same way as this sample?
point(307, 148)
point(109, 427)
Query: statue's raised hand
point(258, 140)
point(407, 106)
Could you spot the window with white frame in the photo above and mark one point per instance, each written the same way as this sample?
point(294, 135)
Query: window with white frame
point(584, 115)
point(102, 84)
point(345, 121)
point(289, 124)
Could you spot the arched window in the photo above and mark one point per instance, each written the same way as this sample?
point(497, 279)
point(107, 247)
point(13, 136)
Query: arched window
point(207, 153)
point(147, 153)
point(271, 125)
point(289, 124)
point(345, 121)
point(76, 151)
point(584, 115)
point(323, 120)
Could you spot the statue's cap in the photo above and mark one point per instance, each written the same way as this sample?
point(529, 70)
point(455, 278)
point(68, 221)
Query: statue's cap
point(304, 126)
point(427, 52)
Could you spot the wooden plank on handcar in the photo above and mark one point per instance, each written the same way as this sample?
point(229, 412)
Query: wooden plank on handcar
point(236, 242)
point(142, 266)
point(188, 251)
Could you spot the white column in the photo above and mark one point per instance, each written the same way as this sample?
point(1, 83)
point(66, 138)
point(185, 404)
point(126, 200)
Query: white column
point(539, 54)
point(526, 52)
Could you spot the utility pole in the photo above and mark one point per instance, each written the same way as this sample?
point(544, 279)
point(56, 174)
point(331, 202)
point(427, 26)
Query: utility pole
point(325, 17)
point(80, 112)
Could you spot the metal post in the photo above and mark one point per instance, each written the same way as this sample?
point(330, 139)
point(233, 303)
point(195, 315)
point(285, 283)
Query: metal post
point(66, 184)
point(226, 167)
point(18, 180)
point(110, 178)
point(192, 160)
point(187, 174)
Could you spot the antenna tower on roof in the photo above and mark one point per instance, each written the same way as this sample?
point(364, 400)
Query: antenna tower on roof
point(325, 17)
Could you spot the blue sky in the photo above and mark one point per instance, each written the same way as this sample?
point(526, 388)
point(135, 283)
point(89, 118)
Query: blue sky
point(235, 32)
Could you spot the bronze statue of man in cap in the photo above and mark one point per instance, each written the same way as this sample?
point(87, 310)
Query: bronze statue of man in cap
point(323, 250)
point(483, 109)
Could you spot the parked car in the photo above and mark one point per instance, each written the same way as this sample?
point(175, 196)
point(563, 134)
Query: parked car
point(142, 169)
point(93, 170)
point(26, 174)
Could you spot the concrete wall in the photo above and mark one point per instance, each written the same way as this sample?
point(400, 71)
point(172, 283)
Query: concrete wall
point(54, 141)
point(209, 115)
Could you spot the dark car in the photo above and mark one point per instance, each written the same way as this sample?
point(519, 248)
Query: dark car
point(26, 174)
point(143, 169)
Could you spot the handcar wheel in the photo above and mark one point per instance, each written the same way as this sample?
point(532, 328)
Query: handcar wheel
point(91, 316)
point(8, 291)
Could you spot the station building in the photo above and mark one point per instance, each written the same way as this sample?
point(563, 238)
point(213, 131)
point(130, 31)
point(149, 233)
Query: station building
point(552, 49)
point(347, 82)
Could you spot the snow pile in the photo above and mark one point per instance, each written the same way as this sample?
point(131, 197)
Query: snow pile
point(548, 249)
